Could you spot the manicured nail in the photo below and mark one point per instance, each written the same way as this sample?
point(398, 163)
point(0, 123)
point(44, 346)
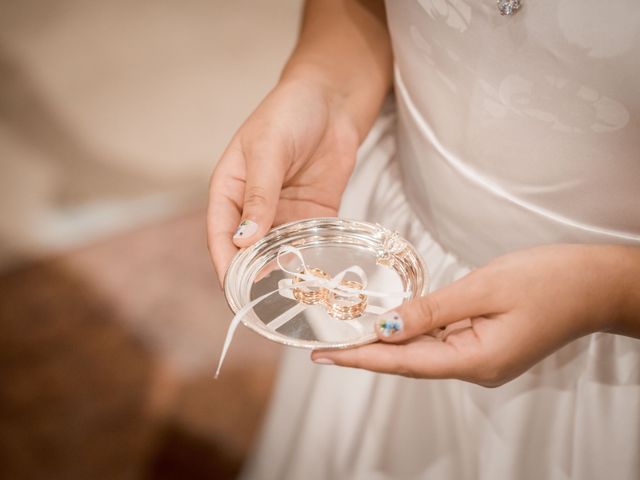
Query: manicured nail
point(390, 323)
point(324, 361)
point(246, 229)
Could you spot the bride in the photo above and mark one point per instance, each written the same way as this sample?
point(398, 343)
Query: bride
point(503, 141)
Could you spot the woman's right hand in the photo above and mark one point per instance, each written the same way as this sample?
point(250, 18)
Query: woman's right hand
point(291, 159)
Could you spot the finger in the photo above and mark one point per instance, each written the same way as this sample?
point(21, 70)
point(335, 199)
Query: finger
point(265, 161)
point(454, 327)
point(222, 255)
point(222, 217)
point(423, 357)
point(466, 298)
point(223, 214)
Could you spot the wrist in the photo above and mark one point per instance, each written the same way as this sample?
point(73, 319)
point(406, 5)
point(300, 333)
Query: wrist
point(359, 98)
point(613, 295)
point(314, 73)
point(625, 275)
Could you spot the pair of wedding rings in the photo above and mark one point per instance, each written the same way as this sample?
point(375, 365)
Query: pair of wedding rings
point(342, 307)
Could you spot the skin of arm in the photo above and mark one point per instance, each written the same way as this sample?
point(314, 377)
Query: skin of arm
point(499, 320)
point(292, 158)
point(624, 276)
point(344, 45)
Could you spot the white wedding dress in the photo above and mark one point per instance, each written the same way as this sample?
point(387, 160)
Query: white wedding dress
point(505, 132)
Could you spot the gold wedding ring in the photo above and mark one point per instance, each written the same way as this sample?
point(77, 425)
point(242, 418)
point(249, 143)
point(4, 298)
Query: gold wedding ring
point(346, 307)
point(340, 306)
point(310, 295)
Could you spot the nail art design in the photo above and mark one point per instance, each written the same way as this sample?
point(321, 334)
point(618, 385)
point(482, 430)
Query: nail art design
point(246, 229)
point(390, 324)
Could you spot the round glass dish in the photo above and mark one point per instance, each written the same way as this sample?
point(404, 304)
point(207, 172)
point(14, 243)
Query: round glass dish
point(391, 264)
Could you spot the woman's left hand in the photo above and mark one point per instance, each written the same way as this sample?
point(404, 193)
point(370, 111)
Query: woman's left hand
point(501, 319)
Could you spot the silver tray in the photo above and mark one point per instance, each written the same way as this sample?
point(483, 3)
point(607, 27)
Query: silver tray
point(332, 244)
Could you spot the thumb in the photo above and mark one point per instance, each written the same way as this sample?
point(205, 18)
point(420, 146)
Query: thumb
point(465, 298)
point(263, 182)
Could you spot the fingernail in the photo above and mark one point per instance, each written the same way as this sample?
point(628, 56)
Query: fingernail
point(390, 323)
point(324, 361)
point(246, 229)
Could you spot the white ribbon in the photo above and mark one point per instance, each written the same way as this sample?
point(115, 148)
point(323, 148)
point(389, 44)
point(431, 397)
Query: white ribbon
point(285, 287)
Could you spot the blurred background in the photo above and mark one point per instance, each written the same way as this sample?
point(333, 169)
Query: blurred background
point(112, 116)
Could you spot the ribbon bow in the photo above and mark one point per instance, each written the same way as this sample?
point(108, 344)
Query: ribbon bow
point(285, 287)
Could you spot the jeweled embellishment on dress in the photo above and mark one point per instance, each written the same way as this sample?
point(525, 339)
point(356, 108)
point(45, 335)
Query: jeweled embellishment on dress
point(508, 7)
